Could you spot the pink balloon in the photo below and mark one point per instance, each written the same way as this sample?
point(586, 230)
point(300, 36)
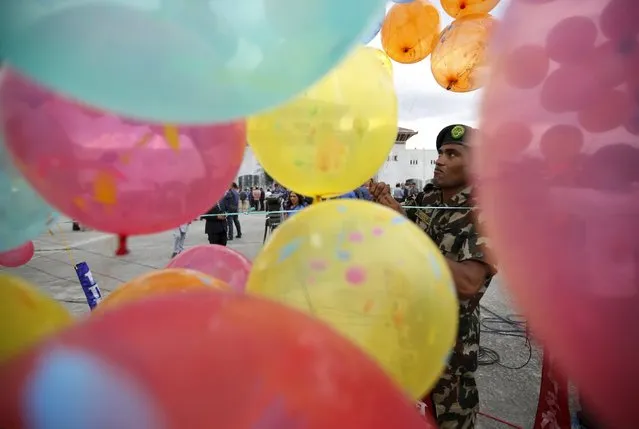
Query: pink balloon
point(569, 88)
point(611, 110)
point(17, 257)
point(609, 64)
point(619, 20)
point(536, 67)
point(220, 262)
point(562, 214)
point(115, 174)
point(572, 39)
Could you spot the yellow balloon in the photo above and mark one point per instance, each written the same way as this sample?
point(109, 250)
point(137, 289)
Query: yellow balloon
point(383, 58)
point(336, 135)
point(27, 316)
point(160, 282)
point(371, 274)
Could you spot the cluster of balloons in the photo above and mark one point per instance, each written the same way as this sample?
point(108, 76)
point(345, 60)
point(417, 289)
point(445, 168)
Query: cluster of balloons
point(112, 140)
point(233, 347)
point(224, 350)
point(411, 31)
point(141, 130)
point(560, 127)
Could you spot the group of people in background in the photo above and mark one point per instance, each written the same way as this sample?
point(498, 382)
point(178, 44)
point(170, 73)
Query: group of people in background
point(253, 198)
point(405, 191)
point(222, 219)
point(223, 223)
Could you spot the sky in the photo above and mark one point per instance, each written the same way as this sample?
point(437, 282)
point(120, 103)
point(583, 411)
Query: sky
point(426, 107)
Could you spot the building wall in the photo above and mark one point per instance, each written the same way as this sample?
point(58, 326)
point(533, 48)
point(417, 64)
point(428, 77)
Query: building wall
point(401, 164)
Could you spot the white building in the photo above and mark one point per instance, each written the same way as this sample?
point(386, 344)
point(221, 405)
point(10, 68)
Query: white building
point(402, 164)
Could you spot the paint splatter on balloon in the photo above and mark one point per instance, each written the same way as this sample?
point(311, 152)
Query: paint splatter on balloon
point(356, 275)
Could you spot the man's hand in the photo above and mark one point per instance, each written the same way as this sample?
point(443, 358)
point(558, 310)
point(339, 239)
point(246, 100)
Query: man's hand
point(381, 194)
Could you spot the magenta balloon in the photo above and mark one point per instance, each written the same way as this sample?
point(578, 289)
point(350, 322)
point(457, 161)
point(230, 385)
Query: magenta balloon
point(17, 257)
point(113, 174)
point(220, 262)
point(562, 213)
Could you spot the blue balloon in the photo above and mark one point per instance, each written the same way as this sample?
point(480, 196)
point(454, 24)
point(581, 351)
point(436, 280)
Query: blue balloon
point(73, 390)
point(23, 213)
point(179, 61)
point(373, 29)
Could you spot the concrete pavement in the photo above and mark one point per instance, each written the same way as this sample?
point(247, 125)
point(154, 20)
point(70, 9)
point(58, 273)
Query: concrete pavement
point(505, 393)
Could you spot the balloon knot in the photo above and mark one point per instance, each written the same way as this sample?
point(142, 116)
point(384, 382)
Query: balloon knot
point(122, 246)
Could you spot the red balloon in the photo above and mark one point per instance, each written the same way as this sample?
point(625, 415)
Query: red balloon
point(572, 40)
point(201, 361)
point(219, 262)
point(17, 257)
point(562, 215)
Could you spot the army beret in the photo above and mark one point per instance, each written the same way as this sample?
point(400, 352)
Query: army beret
point(454, 134)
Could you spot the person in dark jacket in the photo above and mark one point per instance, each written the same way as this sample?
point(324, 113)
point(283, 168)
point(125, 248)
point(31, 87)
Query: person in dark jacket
point(215, 226)
point(232, 204)
point(262, 198)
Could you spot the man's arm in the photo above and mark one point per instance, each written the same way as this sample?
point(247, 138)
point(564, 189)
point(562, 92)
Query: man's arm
point(475, 264)
point(469, 276)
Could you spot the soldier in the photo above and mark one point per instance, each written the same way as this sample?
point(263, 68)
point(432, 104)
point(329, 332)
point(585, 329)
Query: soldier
point(455, 397)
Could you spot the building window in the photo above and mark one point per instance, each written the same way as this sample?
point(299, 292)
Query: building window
point(433, 162)
point(394, 157)
point(414, 162)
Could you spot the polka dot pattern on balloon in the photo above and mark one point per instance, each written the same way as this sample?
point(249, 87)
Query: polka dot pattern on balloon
point(371, 274)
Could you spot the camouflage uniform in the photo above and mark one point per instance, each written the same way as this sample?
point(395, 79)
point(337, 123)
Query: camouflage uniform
point(455, 396)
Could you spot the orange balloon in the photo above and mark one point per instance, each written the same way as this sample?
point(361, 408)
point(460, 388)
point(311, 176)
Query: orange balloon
point(410, 31)
point(458, 60)
point(459, 8)
point(172, 280)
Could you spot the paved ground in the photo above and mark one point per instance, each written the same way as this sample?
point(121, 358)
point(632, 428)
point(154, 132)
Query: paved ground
point(505, 393)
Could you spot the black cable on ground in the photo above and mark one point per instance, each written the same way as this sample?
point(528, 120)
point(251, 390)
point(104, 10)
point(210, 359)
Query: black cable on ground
point(511, 325)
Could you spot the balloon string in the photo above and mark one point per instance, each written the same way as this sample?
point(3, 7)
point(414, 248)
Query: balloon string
point(65, 244)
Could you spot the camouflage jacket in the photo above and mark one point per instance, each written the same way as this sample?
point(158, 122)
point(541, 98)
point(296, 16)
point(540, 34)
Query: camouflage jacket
point(456, 234)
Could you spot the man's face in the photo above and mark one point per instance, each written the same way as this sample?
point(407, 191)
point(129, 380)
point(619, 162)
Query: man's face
point(451, 169)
